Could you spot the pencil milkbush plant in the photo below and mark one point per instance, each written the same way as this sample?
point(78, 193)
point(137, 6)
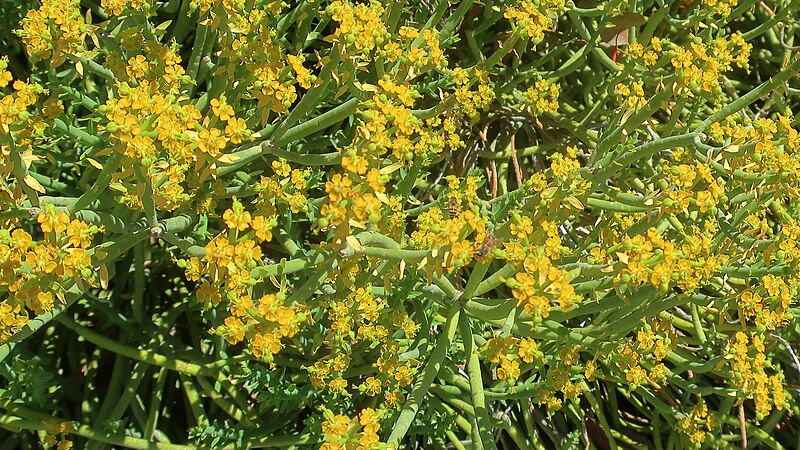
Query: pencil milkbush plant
point(364, 225)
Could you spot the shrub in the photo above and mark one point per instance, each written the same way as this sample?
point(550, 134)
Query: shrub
point(516, 224)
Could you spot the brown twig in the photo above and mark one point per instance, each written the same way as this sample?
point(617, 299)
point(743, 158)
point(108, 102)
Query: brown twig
point(494, 179)
point(742, 425)
point(783, 39)
point(663, 394)
point(517, 169)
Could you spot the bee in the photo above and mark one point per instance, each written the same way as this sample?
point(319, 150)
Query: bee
point(452, 206)
point(487, 246)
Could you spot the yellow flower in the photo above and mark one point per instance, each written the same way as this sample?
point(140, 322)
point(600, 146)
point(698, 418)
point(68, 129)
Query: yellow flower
point(361, 26)
point(563, 166)
point(50, 219)
point(236, 218)
point(54, 29)
point(219, 252)
point(528, 350)
point(508, 370)
point(336, 427)
point(281, 168)
point(542, 97)
point(338, 386)
point(41, 303)
point(236, 130)
point(5, 78)
point(43, 259)
point(137, 66)
point(298, 202)
point(222, 109)
point(404, 376)
point(81, 233)
point(211, 141)
point(372, 386)
point(77, 262)
point(263, 227)
point(265, 345)
point(338, 188)
point(535, 17)
point(234, 330)
point(522, 227)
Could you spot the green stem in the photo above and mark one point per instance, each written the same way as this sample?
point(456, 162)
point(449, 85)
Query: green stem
point(613, 137)
point(606, 205)
point(195, 401)
point(454, 19)
point(495, 280)
point(137, 303)
point(394, 254)
point(287, 267)
point(33, 325)
point(475, 279)
point(423, 383)
point(187, 247)
point(155, 404)
point(583, 32)
point(745, 100)
point(244, 157)
point(611, 163)
point(318, 123)
point(311, 98)
point(136, 354)
point(111, 222)
point(21, 174)
point(501, 52)
point(82, 136)
point(103, 180)
point(306, 159)
point(476, 386)
point(518, 437)
point(227, 406)
point(597, 407)
point(35, 421)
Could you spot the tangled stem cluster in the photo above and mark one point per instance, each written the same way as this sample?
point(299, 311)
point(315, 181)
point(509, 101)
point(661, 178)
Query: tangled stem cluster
point(366, 225)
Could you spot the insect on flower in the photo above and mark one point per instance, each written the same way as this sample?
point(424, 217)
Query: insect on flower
point(452, 206)
point(487, 246)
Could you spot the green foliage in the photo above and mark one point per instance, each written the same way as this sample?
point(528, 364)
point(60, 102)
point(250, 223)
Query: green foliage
point(364, 225)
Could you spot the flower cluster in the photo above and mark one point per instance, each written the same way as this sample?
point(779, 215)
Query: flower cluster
point(361, 26)
point(470, 100)
point(541, 283)
point(37, 273)
point(721, 7)
point(632, 95)
point(507, 353)
point(750, 366)
point(338, 190)
point(698, 63)
point(697, 423)
point(56, 434)
point(365, 324)
point(118, 7)
point(14, 108)
point(361, 432)
point(54, 31)
point(542, 97)
point(641, 359)
point(534, 17)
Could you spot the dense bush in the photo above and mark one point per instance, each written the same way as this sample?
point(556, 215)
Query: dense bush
point(516, 224)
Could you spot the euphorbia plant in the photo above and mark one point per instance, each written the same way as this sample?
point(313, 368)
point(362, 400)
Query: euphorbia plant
point(250, 223)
